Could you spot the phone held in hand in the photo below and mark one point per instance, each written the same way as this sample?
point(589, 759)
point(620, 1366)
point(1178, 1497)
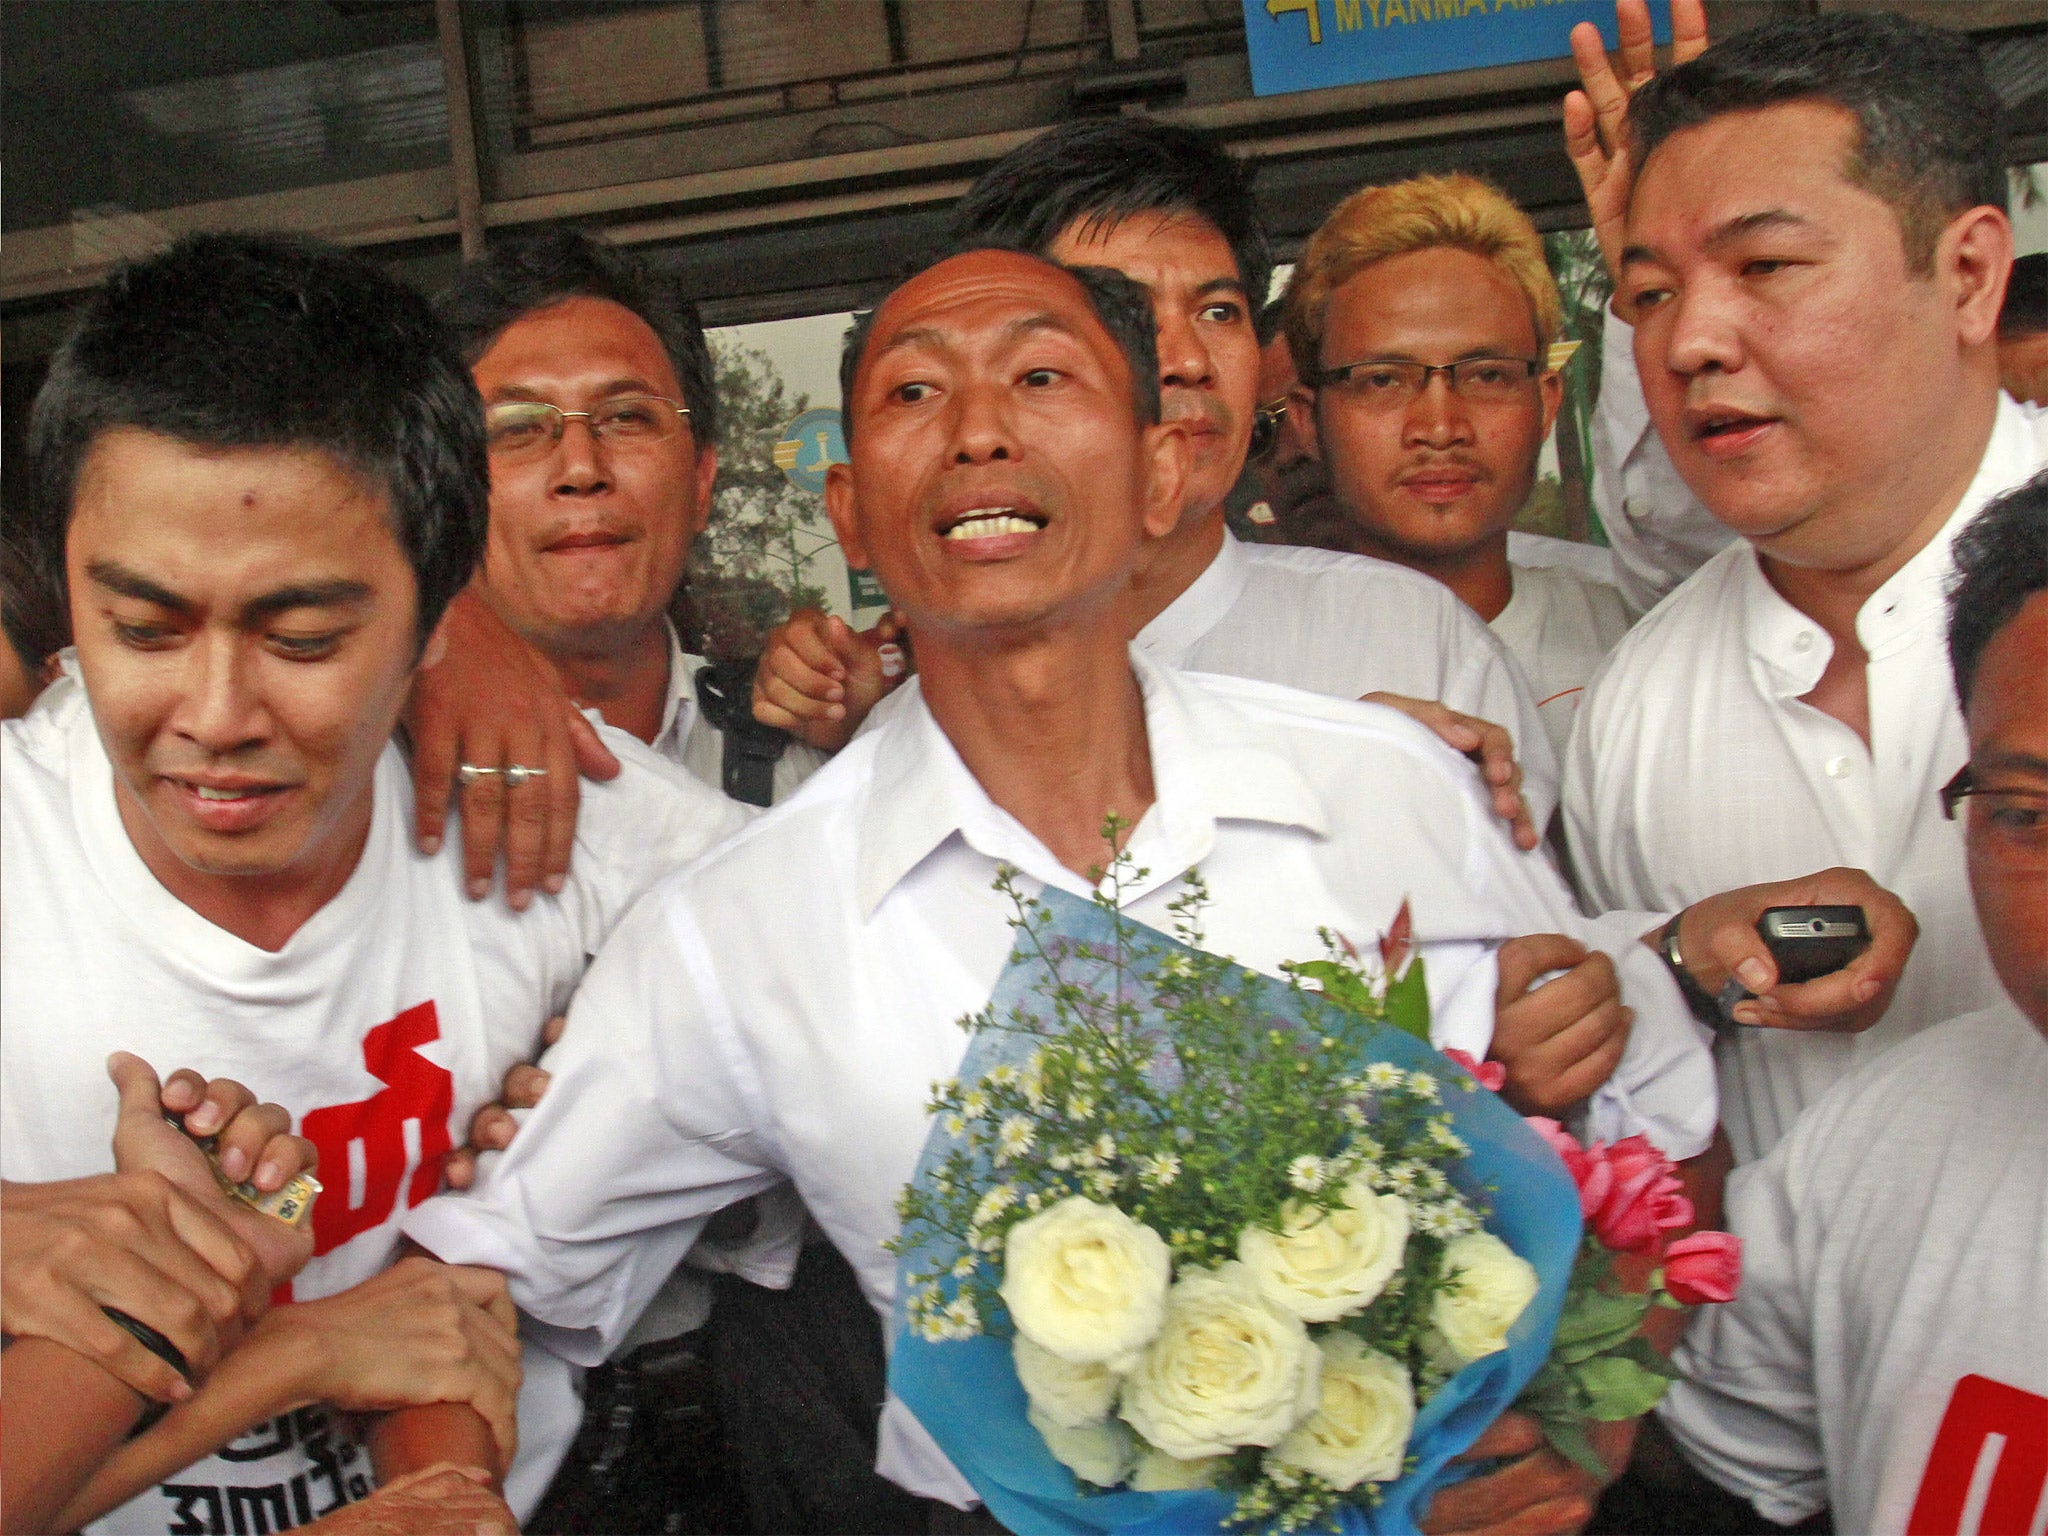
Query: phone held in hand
point(1813, 941)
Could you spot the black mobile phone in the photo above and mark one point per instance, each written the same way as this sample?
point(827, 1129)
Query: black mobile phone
point(1812, 941)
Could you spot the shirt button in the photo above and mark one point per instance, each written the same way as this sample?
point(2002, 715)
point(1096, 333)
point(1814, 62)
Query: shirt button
point(1838, 767)
point(1803, 641)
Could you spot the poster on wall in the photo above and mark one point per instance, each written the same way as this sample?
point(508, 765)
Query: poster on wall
point(1307, 45)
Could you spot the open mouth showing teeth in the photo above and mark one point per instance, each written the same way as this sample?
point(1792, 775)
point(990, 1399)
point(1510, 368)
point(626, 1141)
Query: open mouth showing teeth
point(992, 523)
point(208, 792)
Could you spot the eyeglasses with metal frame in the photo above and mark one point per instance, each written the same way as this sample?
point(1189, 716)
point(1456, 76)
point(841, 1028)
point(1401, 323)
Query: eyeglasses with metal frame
point(527, 429)
point(1391, 382)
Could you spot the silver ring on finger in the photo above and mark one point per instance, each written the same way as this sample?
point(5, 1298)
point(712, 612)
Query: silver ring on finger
point(467, 774)
point(519, 773)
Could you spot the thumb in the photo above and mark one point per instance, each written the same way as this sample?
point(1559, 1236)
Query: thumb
point(136, 1081)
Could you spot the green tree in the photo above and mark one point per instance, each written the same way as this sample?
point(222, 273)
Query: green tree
point(747, 569)
point(1564, 507)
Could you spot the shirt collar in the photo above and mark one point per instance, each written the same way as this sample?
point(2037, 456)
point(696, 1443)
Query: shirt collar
point(1795, 648)
point(1180, 626)
point(679, 715)
point(1211, 762)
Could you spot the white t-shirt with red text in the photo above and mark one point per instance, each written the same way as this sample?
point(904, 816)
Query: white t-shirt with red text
point(1887, 1356)
point(382, 1025)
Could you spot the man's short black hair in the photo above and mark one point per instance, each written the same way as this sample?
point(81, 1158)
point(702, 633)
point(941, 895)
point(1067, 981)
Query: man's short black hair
point(1103, 170)
point(532, 272)
point(1120, 304)
point(1931, 138)
point(2026, 298)
point(2001, 560)
point(271, 341)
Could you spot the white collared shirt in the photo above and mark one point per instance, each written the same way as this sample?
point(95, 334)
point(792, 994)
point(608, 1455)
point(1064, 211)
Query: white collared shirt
point(1345, 626)
point(688, 738)
point(1696, 768)
point(783, 1007)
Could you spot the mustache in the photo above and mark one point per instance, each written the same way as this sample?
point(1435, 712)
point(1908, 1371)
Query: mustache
point(583, 525)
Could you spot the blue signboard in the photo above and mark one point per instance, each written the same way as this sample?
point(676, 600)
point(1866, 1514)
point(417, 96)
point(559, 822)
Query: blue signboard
point(1305, 45)
point(813, 444)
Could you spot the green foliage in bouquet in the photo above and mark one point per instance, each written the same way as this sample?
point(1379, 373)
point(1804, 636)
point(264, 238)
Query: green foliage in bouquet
point(1155, 1083)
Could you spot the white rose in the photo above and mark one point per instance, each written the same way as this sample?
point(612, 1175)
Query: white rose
point(1086, 1282)
point(1325, 1265)
point(1100, 1453)
point(1487, 1285)
point(1359, 1430)
point(1066, 1393)
point(1228, 1369)
point(1157, 1472)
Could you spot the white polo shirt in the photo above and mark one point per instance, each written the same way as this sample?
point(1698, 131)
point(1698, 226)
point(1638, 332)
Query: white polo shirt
point(1695, 768)
point(1345, 626)
point(783, 1007)
point(1659, 531)
point(1888, 1340)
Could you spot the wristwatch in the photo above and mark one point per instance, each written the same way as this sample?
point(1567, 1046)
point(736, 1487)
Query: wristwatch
point(1703, 1007)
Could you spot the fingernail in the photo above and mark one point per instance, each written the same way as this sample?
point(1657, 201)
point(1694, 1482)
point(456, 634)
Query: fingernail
point(1754, 974)
point(554, 884)
point(180, 1389)
point(477, 888)
point(268, 1176)
point(234, 1162)
point(430, 846)
point(204, 1120)
point(520, 900)
point(1866, 989)
point(541, 1081)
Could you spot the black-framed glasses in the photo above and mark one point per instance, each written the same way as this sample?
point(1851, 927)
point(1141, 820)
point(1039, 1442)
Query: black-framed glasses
point(527, 429)
point(1390, 382)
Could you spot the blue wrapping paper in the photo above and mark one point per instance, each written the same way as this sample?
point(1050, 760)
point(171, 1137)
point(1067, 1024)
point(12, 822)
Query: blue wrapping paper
point(966, 1394)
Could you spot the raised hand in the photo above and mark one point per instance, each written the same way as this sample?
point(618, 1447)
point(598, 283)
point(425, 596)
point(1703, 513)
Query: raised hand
point(1596, 116)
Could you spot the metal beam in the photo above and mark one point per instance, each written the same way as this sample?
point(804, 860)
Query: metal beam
point(469, 190)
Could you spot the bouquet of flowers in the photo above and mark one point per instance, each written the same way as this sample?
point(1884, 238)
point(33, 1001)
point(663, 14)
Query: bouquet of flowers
point(1189, 1247)
point(1601, 1368)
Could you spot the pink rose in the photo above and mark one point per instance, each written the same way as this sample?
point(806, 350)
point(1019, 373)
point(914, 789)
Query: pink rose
point(1587, 1165)
point(1644, 1201)
point(1706, 1266)
point(1491, 1074)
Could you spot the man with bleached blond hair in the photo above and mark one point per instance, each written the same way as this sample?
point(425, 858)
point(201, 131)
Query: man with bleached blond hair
point(1421, 320)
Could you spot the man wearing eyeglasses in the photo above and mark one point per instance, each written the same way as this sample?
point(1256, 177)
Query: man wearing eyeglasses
point(1885, 1358)
point(603, 424)
point(1420, 318)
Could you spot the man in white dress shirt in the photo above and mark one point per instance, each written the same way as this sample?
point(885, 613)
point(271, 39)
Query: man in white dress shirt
point(1008, 466)
point(1885, 1358)
point(1421, 317)
point(1816, 248)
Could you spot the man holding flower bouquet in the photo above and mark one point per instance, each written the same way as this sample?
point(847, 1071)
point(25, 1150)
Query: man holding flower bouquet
point(1009, 465)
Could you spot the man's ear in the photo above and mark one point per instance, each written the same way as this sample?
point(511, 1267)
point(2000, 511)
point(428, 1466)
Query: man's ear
point(1550, 384)
point(1301, 412)
point(1166, 454)
point(1974, 255)
point(842, 508)
point(706, 473)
